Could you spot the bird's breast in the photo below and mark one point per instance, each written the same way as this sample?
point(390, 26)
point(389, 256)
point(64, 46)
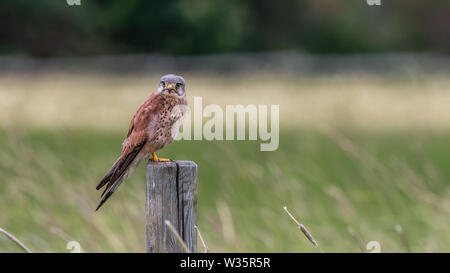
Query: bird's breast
point(165, 124)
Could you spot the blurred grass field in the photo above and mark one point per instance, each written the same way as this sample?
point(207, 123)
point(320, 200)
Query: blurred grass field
point(356, 152)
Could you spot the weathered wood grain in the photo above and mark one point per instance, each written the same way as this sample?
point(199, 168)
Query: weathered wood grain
point(187, 187)
point(171, 195)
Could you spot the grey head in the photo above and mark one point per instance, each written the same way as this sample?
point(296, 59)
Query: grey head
point(171, 84)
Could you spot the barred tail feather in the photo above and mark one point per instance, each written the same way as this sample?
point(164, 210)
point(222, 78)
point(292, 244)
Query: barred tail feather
point(121, 169)
point(108, 175)
point(110, 190)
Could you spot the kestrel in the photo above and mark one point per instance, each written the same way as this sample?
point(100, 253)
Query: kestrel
point(150, 130)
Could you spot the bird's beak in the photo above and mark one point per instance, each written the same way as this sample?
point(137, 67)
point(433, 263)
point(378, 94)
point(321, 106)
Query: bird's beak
point(170, 87)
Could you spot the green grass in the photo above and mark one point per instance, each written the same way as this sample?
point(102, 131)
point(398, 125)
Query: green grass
point(330, 180)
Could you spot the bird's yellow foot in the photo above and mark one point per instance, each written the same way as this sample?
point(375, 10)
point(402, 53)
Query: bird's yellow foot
point(157, 159)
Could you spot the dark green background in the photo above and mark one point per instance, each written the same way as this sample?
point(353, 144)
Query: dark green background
point(53, 28)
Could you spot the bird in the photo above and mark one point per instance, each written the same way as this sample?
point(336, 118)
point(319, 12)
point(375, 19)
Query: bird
point(150, 130)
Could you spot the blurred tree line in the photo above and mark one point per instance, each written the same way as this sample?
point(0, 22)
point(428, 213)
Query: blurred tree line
point(53, 28)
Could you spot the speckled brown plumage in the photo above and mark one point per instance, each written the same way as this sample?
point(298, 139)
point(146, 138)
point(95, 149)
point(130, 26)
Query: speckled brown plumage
point(150, 130)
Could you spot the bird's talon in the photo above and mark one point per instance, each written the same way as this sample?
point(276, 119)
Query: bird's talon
point(157, 159)
point(165, 160)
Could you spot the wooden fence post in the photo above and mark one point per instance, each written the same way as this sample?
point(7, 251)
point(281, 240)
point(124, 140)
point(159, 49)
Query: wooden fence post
point(171, 195)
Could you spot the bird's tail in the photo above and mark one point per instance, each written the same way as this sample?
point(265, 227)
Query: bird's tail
point(108, 175)
point(110, 189)
point(106, 180)
point(117, 174)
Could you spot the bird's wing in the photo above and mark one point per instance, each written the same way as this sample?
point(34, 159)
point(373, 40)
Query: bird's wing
point(136, 138)
point(138, 130)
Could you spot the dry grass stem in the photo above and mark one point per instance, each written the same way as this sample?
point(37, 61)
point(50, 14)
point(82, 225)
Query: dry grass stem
point(177, 237)
point(15, 240)
point(405, 241)
point(356, 239)
point(201, 239)
point(303, 229)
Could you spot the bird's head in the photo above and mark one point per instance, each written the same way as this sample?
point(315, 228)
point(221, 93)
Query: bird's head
point(172, 85)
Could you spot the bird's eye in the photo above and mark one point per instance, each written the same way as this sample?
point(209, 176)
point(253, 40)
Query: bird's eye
point(163, 84)
point(177, 85)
